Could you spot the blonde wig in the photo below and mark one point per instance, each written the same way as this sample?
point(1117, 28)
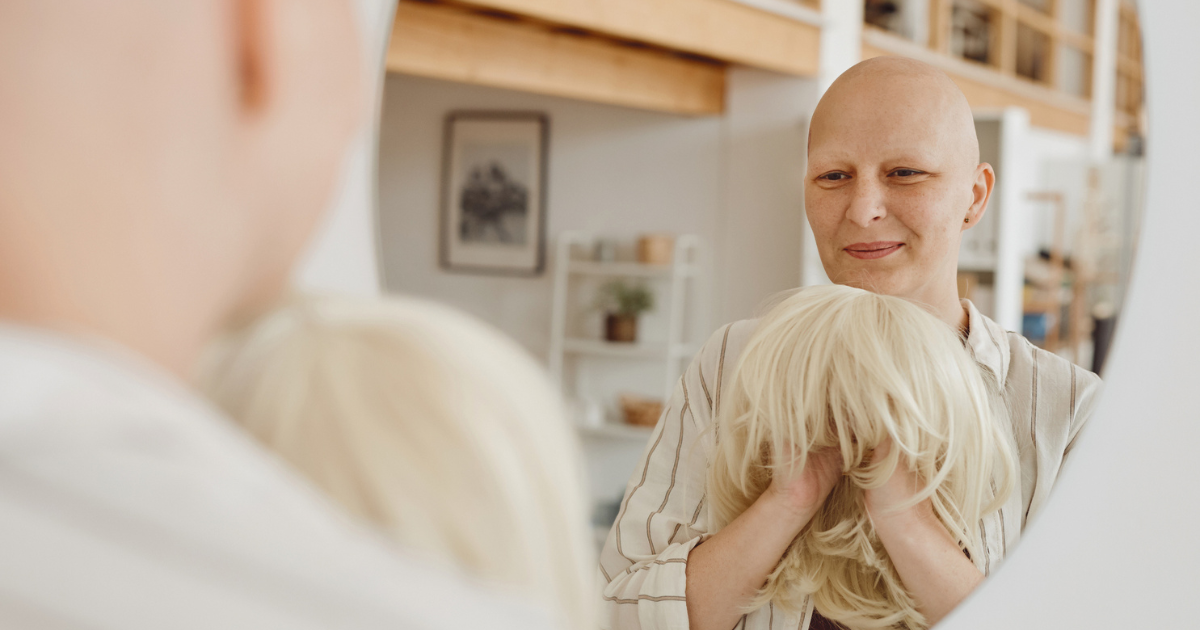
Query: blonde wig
point(426, 423)
point(835, 366)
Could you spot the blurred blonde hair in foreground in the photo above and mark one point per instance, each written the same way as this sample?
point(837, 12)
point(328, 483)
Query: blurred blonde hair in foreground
point(835, 366)
point(426, 423)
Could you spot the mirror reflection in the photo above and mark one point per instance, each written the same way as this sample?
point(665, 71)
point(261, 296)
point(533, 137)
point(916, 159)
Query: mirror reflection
point(681, 177)
point(700, 314)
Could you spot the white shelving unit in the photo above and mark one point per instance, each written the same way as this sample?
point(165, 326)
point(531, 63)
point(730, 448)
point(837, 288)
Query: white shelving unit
point(618, 431)
point(682, 282)
point(588, 368)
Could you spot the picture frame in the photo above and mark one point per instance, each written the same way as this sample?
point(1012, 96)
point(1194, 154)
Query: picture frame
point(493, 200)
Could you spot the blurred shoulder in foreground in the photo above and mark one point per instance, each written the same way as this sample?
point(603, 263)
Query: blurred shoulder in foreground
point(127, 502)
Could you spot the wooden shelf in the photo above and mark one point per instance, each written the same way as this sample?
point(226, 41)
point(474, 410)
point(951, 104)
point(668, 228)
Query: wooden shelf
point(601, 348)
point(618, 431)
point(627, 269)
point(732, 32)
point(987, 87)
point(1037, 307)
point(683, 281)
point(453, 43)
point(977, 265)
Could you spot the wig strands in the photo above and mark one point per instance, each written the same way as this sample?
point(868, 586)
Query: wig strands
point(839, 367)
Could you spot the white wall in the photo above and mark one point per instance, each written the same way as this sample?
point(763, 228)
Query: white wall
point(762, 220)
point(734, 180)
point(612, 171)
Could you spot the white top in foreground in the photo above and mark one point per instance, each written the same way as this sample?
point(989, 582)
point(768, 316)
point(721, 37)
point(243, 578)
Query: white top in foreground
point(126, 502)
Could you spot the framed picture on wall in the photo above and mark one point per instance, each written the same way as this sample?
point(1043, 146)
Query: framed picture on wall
point(493, 215)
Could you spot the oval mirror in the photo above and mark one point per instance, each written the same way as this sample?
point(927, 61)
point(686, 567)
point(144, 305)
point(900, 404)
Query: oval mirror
point(549, 167)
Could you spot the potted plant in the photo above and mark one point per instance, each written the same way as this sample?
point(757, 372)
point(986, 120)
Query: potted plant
point(623, 302)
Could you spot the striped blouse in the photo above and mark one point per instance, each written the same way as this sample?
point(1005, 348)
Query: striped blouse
point(663, 515)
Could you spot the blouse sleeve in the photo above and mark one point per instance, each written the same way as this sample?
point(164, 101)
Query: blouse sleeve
point(1086, 388)
point(663, 516)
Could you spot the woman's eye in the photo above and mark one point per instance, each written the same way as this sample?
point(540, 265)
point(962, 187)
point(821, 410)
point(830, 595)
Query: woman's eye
point(905, 172)
point(834, 177)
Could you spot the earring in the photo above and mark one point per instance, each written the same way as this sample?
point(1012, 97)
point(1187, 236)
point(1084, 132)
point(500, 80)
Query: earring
point(967, 220)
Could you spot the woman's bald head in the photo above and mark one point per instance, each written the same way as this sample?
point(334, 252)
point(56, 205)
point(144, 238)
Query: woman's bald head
point(886, 93)
point(893, 180)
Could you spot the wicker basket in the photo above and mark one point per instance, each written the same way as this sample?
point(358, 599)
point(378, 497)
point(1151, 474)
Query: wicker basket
point(639, 411)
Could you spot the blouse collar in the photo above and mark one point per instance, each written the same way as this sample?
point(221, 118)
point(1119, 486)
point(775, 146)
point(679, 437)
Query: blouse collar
point(988, 342)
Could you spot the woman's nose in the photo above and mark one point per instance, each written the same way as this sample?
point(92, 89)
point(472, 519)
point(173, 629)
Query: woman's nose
point(866, 203)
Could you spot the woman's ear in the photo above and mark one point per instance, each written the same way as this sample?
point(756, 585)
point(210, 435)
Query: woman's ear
point(981, 190)
point(252, 52)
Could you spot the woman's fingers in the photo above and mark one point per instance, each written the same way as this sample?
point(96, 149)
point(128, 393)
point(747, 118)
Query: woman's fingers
point(805, 489)
point(827, 467)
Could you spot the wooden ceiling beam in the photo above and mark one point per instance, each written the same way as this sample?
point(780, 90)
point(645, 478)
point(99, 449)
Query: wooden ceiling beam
point(721, 29)
point(451, 43)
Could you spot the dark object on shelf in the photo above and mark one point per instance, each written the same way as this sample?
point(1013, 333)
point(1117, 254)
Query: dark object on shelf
point(1044, 254)
point(881, 13)
point(1034, 327)
point(1102, 335)
point(604, 513)
point(1033, 54)
point(620, 328)
point(971, 35)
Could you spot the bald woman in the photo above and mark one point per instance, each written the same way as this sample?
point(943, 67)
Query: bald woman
point(893, 181)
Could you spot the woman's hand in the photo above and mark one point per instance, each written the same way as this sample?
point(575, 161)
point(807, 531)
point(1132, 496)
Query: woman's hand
point(930, 564)
point(805, 489)
point(725, 572)
point(900, 488)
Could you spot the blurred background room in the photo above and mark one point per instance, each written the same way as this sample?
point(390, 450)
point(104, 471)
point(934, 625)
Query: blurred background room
point(607, 181)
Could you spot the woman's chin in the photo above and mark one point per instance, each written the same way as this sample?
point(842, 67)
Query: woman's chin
point(875, 281)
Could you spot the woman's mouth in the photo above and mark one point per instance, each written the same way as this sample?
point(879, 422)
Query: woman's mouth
point(871, 251)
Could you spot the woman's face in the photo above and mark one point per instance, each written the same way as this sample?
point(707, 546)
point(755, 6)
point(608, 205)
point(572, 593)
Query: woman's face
point(888, 188)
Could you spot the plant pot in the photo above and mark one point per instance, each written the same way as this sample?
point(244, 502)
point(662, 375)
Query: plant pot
point(620, 328)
